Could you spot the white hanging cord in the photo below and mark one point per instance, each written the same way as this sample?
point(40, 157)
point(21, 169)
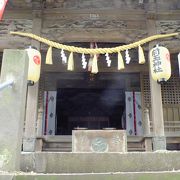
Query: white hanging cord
point(63, 56)
point(84, 62)
point(108, 61)
point(127, 57)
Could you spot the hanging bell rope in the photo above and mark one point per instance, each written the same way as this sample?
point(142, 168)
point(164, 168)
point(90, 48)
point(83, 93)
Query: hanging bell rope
point(93, 51)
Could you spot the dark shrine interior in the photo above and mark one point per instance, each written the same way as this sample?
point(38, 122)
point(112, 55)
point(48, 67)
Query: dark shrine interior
point(92, 102)
point(88, 108)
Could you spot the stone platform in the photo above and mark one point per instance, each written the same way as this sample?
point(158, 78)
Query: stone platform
point(49, 162)
point(91, 176)
point(162, 165)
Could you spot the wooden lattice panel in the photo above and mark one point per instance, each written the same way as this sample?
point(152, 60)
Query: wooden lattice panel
point(170, 100)
point(170, 90)
point(146, 90)
point(40, 102)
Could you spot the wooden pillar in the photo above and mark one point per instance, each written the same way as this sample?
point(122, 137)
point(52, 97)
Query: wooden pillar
point(159, 140)
point(12, 108)
point(147, 133)
point(146, 122)
point(29, 141)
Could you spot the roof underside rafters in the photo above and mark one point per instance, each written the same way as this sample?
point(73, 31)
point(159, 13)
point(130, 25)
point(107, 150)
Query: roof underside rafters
point(90, 20)
point(34, 4)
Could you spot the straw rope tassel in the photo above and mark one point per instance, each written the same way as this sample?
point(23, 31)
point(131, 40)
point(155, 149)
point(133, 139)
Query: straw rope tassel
point(120, 62)
point(90, 64)
point(94, 65)
point(141, 55)
point(49, 56)
point(93, 51)
point(70, 62)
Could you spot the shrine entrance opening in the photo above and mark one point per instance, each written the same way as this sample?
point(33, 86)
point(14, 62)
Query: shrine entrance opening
point(93, 101)
point(89, 108)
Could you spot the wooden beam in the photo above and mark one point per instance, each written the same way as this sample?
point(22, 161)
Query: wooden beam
point(168, 15)
point(29, 141)
point(58, 67)
point(13, 42)
point(159, 141)
point(18, 14)
point(95, 14)
point(93, 34)
point(121, 80)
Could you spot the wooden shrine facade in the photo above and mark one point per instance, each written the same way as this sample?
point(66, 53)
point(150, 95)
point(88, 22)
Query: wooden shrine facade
point(78, 21)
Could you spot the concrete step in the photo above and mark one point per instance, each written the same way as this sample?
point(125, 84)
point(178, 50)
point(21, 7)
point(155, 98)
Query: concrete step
point(97, 176)
point(53, 162)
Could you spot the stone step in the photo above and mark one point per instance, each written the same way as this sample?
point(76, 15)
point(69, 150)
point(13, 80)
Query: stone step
point(57, 145)
point(64, 144)
point(57, 138)
point(68, 148)
point(57, 149)
point(60, 162)
point(136, 149)
point(91, 176)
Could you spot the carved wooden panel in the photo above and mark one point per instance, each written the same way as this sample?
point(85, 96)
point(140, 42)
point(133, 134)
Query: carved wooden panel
point(15, 25)
point(168, 27)
point(93, 34)
point(86, 22)
point(19, 4)
point(10, 41)
point(165, 27)
point(96, 4)
point(99, 26)
point(167, 5)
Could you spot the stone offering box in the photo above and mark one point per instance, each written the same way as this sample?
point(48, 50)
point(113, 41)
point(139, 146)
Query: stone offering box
point(99, 141)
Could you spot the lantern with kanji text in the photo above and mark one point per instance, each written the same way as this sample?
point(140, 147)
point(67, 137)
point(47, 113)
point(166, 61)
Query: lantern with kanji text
point(34, 65)
point(160, 64)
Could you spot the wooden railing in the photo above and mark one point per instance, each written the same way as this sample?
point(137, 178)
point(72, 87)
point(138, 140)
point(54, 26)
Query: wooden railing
point(171, 115)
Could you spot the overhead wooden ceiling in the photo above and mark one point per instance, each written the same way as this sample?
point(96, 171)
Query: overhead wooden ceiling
point(34, 3)
point(90, 20)
point(160, 4)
